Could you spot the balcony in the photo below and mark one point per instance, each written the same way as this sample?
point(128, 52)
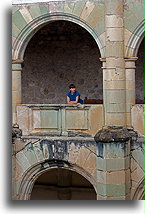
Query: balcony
point(60, 119)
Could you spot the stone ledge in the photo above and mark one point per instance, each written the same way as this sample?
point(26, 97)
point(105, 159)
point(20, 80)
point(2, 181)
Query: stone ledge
point(52, 138)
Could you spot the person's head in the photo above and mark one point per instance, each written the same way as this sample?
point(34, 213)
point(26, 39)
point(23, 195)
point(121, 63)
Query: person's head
point(72, 88)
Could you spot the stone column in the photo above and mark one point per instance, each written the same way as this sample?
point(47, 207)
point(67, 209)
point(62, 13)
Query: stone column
point(114, 86)
point(113, 163)
point(16, 86)
point(130, 86)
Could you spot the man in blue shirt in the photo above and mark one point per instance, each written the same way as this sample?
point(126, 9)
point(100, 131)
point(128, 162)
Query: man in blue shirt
point(73, 96)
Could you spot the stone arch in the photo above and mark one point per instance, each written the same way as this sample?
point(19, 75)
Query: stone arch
point(139, 193)
point(61, 42)
point(38, 157)
point(135, 40)
point(29, 178)
point(32, 27)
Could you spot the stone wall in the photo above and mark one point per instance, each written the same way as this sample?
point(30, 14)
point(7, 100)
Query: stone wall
point(114, 168)
point(59, 54)
point(73, 154)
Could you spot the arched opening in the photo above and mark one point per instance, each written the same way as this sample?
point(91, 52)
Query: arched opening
point(139, 75)
point(61, 53)
point(62, 184)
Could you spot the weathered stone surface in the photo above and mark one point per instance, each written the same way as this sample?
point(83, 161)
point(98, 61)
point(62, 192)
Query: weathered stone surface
point(96, 18)
point(78, 8)
point(30, 154)
point(114, 96)
point(60, 119)
point(113, 190)
point(137, 118)
point(138, 155)
point(112, 134)
point(34, 11)
point(87, 9)
point(80, 153)
point(133, 12)
point(22, 160)
point(107, 164)
point(19, 20)
point(82, 156)
point(126, 197)
point(137, 174)
point(114, 7)
point(114, 34)
point(26, 14)
point(119, 118)
point(90, 163)
point(114, 21)
point(73, 153)
point(117, 177)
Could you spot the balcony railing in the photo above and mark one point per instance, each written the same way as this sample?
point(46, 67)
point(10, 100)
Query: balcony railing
point(60, 119)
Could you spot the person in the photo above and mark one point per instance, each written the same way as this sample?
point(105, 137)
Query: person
point(73, 96)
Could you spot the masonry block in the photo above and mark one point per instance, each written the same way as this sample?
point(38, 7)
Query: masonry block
point(114, 21)
point(113, 152)
point(113, 177)
point(114, 7)
point(113, 190)
point(114, 34)
point(108, 164)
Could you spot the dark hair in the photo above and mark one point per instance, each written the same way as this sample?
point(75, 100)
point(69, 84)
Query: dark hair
point(71, 86)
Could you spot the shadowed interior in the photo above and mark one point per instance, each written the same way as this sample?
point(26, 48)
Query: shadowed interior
point(62, 184)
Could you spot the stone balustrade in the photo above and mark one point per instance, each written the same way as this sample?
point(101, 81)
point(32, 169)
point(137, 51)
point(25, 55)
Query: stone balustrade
point(60, 119)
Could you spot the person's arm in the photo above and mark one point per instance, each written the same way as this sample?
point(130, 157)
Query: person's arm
point(75, 102)
point(77, 98)
point(72, 102)
point(68, 101)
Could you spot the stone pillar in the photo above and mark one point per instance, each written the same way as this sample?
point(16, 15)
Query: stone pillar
point(16, 86)
point(113, 163)
point(114, 86)
point(130, 86)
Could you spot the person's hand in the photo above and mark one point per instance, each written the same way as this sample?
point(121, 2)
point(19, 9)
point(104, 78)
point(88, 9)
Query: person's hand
point(71, 102)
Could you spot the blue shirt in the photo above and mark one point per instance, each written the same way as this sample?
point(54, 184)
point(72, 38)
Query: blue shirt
point(73, 97)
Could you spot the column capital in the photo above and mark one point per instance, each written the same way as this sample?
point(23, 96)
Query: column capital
point(130, 59)
point(17, 61)
point(130, 62)
point(17, 64)
point(103, 59)
point(127, 59)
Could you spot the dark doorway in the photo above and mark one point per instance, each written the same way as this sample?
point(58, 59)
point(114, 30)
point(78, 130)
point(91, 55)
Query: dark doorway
point(62, 184)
